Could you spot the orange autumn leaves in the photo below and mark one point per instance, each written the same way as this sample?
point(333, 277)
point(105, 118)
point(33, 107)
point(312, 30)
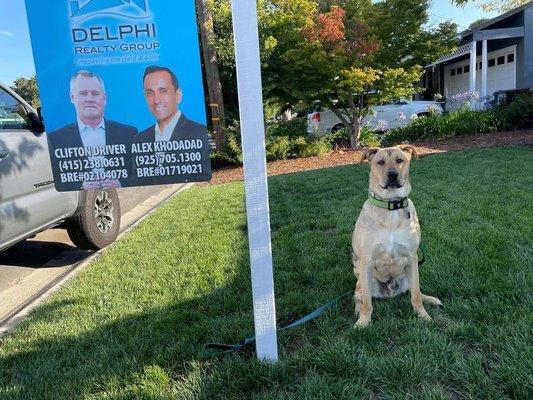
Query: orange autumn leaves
point(334, 31)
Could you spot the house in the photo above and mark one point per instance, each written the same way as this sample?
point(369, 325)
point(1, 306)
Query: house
point(495, 55)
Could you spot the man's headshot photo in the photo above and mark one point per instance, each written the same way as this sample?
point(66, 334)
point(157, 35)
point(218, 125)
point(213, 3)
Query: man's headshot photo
point(87, 94)
point(163, 97)
point(91, 129)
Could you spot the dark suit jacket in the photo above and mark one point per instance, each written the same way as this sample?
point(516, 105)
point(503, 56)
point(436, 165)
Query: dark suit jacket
point(69, 136)
point(185, 129)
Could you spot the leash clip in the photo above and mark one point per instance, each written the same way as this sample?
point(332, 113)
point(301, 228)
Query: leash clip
point(395, 205)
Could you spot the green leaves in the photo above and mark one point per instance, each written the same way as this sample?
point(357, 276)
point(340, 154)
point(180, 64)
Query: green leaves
point(358, 80)
point(398, 83)
point(28, 90)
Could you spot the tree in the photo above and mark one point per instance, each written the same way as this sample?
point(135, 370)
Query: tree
point(212, 76)
point(306, 44)
point(494, 5)
point(337, 65)
point(435, 43)
point(280, 23)
point(399, 26)
point(478, 22)
point(28, 90)
point(360, 89)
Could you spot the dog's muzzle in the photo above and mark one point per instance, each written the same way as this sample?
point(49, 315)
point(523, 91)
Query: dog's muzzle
point(392, 180)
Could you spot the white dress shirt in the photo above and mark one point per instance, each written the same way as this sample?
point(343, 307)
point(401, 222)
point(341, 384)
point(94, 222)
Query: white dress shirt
point(164, 136)
point(93, 137)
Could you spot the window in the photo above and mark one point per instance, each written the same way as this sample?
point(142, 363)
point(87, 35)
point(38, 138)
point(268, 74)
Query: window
point(459, 70)
point(501, 60)
point(13, 115)
point(467, 68)
point(452, 72)
point(492, 62)
point(510, 58)
point(480, 65)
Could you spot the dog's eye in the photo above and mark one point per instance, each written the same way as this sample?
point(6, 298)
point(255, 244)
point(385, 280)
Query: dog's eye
point(381, 162)
point(399, 160)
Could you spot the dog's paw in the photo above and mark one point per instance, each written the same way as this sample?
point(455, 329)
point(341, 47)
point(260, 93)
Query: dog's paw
point(438, 306)
point(362, 322)
point(433, 301)
point(424, 315)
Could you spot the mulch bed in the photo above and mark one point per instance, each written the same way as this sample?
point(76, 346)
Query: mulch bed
point(353, 156)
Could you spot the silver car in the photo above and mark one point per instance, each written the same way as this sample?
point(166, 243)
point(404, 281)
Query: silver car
point(382, 118)
point(29, 202)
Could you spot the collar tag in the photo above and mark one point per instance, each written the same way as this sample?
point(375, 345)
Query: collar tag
point(396, 205)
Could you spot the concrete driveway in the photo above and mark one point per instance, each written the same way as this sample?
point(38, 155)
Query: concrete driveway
point(30, 268)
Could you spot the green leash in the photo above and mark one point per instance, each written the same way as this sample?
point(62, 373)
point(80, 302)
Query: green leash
point(217, 349)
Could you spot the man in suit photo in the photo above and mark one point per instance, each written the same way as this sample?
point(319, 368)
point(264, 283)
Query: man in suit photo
point(92, 130)
point(163, 97)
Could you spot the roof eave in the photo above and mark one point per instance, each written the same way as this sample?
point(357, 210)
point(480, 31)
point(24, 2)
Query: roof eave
point(509, 13)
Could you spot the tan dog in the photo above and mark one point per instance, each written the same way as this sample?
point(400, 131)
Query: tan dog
point(387, 235)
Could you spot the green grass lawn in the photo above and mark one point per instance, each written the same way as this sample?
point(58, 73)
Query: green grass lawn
point(133, 323)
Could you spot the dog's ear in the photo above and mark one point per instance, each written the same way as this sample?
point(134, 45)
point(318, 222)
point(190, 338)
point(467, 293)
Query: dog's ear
point(409, 150)
point(369, 153)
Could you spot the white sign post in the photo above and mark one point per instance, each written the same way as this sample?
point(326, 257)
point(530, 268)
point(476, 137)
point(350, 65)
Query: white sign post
point(246, 38)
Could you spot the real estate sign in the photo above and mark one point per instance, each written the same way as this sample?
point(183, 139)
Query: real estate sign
point(121, 91)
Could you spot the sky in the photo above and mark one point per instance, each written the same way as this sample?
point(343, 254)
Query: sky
point(16, 57)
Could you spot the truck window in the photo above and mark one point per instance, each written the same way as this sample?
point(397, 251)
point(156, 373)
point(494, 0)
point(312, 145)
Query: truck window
point(13, 115)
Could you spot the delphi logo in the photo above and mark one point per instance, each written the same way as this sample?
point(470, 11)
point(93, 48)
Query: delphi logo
point(82, 9)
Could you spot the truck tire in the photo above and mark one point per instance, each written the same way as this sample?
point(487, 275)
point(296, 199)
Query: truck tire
point(337, 128)
point(98, 222)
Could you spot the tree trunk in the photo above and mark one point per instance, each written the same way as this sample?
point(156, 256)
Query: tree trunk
point(216, 102)
point(355, 133)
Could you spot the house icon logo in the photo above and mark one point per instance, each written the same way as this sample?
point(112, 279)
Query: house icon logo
point(122, 8)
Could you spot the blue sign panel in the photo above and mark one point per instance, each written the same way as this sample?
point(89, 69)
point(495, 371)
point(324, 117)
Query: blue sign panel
point(121, 91)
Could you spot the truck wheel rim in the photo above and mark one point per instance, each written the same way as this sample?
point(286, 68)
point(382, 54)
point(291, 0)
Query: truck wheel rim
point(103, 212)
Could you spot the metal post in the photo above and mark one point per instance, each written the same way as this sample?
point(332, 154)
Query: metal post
point(246, 38)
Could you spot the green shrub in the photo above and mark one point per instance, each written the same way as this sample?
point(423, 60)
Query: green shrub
point(518, 114)
point(220, 159)
point(368, 138)
point(233, 148)
point(293, 128)
point(298, 146)
point(341, 137)
point(283, 147)
point(277, 147)
point(315, 147)
point(459, 122)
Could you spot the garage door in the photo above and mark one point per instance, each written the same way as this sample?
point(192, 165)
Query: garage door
point(501, 73)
